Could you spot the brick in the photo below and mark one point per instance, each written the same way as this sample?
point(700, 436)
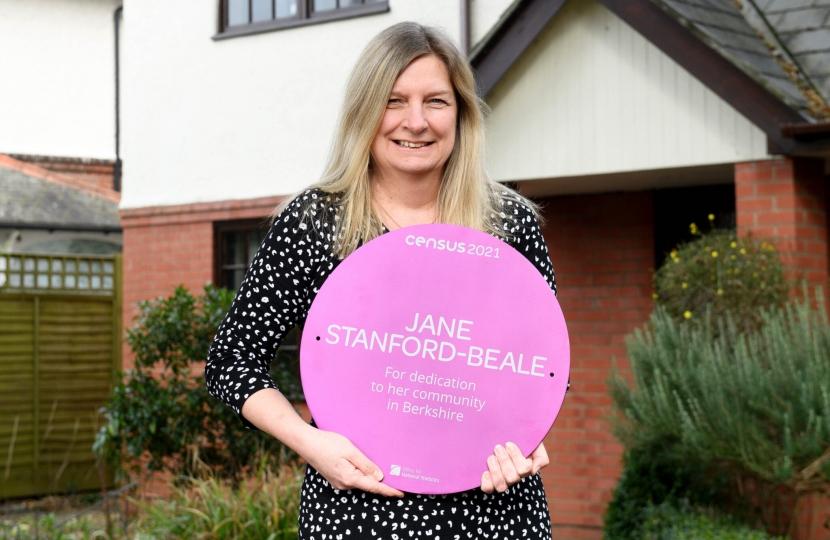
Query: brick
point(774, 188)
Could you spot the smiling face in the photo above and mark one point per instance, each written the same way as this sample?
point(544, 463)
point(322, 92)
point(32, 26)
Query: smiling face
point(417, 133)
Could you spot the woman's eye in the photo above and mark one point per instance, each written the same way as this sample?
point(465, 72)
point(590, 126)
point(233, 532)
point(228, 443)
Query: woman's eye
point(438, 101)
point(394, 101)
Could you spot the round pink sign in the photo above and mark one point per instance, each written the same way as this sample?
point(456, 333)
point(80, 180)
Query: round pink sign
point(430, 345)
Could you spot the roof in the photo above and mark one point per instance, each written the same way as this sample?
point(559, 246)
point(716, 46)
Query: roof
point(803, 29)
point(770, 59)
point(761, 37)
point(31, 197)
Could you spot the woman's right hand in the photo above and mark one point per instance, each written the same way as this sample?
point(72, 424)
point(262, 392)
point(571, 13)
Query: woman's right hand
point(343, 465)
point(333, 455)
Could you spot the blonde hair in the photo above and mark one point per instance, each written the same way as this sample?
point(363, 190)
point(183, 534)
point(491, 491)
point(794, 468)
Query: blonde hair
point(466, 196)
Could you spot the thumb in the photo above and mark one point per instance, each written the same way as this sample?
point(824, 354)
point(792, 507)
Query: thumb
point(365, 465)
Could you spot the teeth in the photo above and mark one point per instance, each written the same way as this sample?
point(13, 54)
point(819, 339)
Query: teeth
point(411, 144)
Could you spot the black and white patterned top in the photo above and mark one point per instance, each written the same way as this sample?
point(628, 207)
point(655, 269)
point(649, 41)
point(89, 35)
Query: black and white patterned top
point(289, 268)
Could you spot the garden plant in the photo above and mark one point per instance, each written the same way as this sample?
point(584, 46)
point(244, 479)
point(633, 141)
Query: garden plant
point(730, 389)
point(161, 417)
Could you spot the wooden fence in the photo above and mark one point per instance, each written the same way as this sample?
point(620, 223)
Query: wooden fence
point(60, 347)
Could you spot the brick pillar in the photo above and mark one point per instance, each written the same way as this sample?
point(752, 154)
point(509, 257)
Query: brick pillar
point(784, 200)
point(602, 249)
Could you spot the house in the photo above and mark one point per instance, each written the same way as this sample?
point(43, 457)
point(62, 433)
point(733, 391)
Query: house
point(625, 119)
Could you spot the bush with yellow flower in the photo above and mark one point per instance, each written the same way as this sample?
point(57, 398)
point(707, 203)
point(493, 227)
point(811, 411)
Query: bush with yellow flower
point(719, 272)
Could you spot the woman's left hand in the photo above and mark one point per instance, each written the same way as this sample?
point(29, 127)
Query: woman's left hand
point(508, 465)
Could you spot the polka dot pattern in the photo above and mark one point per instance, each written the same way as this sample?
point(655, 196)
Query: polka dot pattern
point(289, 268)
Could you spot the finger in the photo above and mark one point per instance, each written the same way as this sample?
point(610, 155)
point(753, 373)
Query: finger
point(365, 465)
point(508, 470)
point(523, 465)
point(370, 485)
point(499, 484)
point(540, 458)
point(487, 482)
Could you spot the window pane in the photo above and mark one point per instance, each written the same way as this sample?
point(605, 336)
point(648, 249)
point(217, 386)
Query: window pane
point(237, 12)
point(347, 3)
point(286, 8)
point(234, 248)
point(324, 5)
point(233, 278)
point(255, 238)
point(262, 10)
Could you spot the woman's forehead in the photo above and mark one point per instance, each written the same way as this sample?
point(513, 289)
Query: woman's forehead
point(426, 73)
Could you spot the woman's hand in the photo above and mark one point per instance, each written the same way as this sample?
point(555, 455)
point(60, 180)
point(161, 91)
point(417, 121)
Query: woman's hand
point(508, 465)
point(344, 466)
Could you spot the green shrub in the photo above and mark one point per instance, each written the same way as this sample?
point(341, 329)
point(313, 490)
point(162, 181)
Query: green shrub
point(721, 273)
point(162, 413)
point(653, 475)
point(263, 508)
point(755, 405)
point(668, 522)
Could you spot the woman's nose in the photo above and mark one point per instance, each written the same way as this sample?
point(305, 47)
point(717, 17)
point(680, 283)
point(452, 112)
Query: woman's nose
point(415, 119)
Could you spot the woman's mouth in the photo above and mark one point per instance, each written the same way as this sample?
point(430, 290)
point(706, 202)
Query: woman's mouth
point(408, 144)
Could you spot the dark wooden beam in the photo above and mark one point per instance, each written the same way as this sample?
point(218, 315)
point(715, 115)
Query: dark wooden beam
point(746, 95)
point(513, 37)
point(807, 131)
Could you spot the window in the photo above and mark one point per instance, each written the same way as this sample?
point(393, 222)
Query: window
point(236, 244)
point(243, 17)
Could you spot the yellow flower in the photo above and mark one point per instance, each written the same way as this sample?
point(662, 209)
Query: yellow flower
point(655, 296)
point(711, 217)
point(763, 284)
point(720, 291)
point(743, 251)
point(687, 314)
point(684, 285)
point(715, 254)
point(733, 257)
point(693, 228)
point(734, 244)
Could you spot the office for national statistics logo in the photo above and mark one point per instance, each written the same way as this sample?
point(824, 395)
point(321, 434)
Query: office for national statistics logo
point(395, 470)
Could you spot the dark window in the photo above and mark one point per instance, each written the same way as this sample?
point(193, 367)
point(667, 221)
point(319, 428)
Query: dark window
point(675, 209)
point(236, 244)
point(243, 17)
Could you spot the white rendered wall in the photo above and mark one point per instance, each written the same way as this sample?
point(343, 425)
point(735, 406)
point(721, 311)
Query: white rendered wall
point(57, 65)
point(240, 118)
point(592, 96)
point(484, 14)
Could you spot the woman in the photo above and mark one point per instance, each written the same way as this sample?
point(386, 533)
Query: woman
point(408, 151)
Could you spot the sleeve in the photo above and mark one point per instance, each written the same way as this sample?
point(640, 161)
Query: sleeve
point(270, 300)
point(527, 239)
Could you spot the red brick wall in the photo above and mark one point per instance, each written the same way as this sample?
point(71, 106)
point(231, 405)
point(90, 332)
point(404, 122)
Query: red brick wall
point(602, 249)
point(784, 200)
point(173, 245)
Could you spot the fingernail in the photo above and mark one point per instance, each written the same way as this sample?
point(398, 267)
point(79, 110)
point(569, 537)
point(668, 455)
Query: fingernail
point(377, 475)
point(510, 446)
point(491, 460)
point(499, 449)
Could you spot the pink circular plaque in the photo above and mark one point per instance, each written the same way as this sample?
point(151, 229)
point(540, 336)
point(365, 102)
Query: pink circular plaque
point(430, 345)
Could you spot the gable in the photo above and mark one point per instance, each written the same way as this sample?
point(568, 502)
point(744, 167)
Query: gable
point(592, 96)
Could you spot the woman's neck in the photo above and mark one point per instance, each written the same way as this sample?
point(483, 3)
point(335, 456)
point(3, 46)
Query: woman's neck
point(402, 202)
